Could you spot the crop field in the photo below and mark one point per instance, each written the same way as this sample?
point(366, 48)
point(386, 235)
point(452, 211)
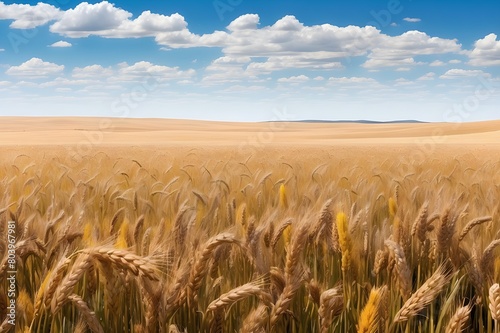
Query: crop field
point(270, 241)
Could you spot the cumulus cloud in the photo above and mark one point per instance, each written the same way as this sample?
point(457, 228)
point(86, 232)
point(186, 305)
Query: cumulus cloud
point(486, 52)
point(463, 73)
point(437, 63)
point(145, 69)
point(1, 50)
point(27, 16)
point(400, 50)
point(427, 77)
point(350, 80)
point(244, 22)
point(277, 63)
point(61, 43)
point(226, 69)
point(35, 68)
point(91, 72)
point(412, 19)
point(288, 36)
point(63, 82)
point(87, 19)
point(106, 20)
point(294, 79)
point(402, 82)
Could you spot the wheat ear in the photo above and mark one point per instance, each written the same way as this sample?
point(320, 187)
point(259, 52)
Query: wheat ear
point(68, 283)
point(424, 295)
point(235, 295)
point(331, 305)
point(200, 267)
point(488, 258)
point(372, 315)
point(293, 283)
point(255, 322)
point(404, 274)
point(494, 297)
point(124, 259)
point(458, 321)
point(87, 314)
point(468, 227)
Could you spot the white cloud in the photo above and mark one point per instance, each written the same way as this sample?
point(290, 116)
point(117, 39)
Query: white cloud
point(27, 16)
point(393, 24)
point(1, 50)
point(61, 43)
point(105, 20)
point(350, 80)
point(90, 19)
point(402, 82)
point(63, 82)
point(277, 63)
point(148, 24)
point(226, 69)
point(437, 63)
point(319, 78)
point(399, 50)
point(463, 73)
point(93, 71)
point(294, 79)
point(412, 19)
point(375, 62)
point(185, 39)
point(455, 61)
point(244, 22)
point(4, 83)
point(288, 36)
point(144, 69)
point(427, 77)
point(35, 68)
point(486, 52)
point(243, 89)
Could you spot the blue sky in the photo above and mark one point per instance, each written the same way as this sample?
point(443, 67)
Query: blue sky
point(252, 60)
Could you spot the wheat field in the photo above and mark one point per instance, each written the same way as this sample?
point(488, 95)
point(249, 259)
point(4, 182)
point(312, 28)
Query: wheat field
point(338, 239)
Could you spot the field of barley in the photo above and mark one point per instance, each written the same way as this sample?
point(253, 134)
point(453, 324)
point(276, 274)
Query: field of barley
point(279, 239)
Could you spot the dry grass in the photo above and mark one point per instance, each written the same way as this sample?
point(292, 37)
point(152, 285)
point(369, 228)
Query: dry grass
point(241, 243)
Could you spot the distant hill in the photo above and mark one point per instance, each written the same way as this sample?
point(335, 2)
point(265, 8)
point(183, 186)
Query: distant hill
point(356, 121)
